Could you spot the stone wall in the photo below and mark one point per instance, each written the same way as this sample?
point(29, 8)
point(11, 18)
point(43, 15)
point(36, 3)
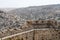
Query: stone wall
point(38, 34)
point(41, 30)
point(50, 34)
point(25, 36)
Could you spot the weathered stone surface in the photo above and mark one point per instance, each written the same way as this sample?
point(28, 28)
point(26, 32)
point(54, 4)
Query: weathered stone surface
point(38, 30)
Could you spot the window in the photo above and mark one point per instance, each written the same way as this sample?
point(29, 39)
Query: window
point(50, 39)
point(52, 34)
point(55, 23)
point(59, 33)
point(42, 21)
point(21, 38)
point(42, 39)
point(26, 37)
point(56, 37)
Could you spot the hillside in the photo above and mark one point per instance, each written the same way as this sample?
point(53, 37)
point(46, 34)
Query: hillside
point(8, 20)
point(36, 12)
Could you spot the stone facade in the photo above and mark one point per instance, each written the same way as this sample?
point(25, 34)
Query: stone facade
point(50, 34)
point(37, 30)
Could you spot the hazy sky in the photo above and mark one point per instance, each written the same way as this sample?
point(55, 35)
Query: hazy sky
point(25, 3)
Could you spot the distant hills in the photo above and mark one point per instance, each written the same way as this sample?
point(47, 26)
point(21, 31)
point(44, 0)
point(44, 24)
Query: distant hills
point(36, 12)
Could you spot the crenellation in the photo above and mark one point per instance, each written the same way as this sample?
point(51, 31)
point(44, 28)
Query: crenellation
point(43, 23)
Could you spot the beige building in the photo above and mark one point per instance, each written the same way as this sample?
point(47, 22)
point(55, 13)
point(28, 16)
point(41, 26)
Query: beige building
point(37, 30)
